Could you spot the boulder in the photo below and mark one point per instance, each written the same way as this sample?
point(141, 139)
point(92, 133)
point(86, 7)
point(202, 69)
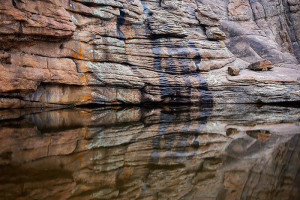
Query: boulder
point(233, 71)
point(263, 65)
point(214, 33)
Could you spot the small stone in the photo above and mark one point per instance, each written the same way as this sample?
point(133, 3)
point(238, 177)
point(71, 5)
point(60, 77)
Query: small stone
point(5, 57)
point(263, 65)
point(231, 131)
point(259, 134)
point(214, 33)
point(233, 71)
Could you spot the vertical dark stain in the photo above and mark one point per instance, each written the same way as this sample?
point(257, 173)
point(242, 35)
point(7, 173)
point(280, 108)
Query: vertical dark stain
point(14, 3)
point(184, 69)
point(166, 90)
point(163, 125)
point(184, 136)
point(206, 96)
point(120, 22)
point(197, 58)
point(159, 2)
point(94, 45)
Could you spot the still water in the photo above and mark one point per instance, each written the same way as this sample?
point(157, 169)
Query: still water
point(215, 152)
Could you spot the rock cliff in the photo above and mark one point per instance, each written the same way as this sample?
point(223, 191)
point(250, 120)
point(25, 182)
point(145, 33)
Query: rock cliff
point(62, 52)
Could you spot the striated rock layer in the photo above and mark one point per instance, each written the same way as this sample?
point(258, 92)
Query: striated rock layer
point(60, 52)
point(226, 152)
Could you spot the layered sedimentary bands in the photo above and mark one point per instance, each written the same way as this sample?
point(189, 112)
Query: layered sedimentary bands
point(59, 52)
point(141, 153)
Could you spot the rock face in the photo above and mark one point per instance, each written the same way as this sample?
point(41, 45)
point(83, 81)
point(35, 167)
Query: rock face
point(60, 52)
point(226, 152)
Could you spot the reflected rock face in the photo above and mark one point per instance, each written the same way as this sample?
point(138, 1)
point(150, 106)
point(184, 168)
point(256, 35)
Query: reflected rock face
point(110, 52)
point(225, 152)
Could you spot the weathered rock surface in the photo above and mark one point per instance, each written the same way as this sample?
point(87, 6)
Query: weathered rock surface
point(228, 152)
point(56, 53)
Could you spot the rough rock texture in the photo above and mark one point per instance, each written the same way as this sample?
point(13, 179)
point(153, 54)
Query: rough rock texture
point(226, 152)
point(59, 52)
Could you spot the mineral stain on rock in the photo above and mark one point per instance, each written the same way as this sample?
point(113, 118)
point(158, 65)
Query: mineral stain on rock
point(120, 22)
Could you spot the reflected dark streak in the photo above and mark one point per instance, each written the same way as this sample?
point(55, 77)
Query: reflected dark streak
point(137, 153)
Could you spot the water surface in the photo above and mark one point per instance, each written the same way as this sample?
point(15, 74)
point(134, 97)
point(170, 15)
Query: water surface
point(220, 152)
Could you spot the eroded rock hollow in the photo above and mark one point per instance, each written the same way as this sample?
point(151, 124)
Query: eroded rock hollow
point(62, 52)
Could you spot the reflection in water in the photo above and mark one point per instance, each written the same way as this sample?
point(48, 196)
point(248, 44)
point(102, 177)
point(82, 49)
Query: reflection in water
point(224, 152)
